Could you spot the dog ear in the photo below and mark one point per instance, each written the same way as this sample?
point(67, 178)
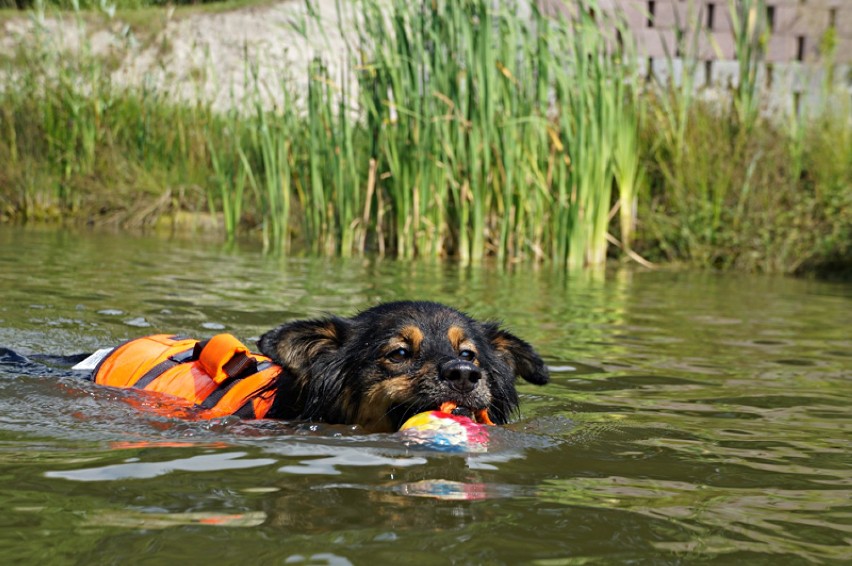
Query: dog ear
point(297, 345)
point(309, 350)
point(519, 355)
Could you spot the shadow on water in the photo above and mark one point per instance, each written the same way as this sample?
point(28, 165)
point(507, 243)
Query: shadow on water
point(691, 417)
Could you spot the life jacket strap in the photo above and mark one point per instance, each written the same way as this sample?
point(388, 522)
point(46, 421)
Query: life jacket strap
point(167, 364)
point(214, 398)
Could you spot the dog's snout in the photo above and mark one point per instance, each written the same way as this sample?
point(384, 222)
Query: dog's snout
point(462, 376)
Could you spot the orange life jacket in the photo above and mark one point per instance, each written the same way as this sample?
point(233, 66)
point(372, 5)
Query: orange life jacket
point(220, 376)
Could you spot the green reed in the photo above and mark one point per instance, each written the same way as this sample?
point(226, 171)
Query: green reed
point(70, 132)
point(465, 129)
point(230, 175)
point(628, 169)
point(272, 141)
point(467, 136)
point(470, 131)
point(751, 30)
point(672, 102)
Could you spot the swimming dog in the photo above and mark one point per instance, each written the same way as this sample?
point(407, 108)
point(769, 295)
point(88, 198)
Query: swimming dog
point(375, 369)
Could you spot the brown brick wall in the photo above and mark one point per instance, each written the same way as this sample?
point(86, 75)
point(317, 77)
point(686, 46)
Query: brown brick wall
point(798, 27)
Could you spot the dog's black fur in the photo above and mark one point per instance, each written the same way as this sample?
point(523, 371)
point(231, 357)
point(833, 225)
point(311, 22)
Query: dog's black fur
point(394, 360)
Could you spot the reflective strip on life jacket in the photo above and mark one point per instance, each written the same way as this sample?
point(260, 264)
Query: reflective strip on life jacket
point(220, 375)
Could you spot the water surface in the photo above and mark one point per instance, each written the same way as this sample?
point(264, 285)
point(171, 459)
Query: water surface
point(692, 417)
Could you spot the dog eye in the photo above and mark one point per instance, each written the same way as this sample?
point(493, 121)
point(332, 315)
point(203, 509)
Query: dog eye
point(399, 355)
point(467, 355)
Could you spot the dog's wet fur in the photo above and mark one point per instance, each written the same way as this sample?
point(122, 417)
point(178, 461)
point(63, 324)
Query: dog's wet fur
point(395, 360)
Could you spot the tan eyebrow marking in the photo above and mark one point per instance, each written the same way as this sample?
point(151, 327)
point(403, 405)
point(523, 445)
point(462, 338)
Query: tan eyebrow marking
point(413, 335)
point(456, 336)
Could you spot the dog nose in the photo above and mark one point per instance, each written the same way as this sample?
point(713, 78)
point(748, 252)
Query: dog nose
point(461, 375)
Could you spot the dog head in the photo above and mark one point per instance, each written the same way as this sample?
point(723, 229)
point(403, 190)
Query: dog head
point(398, 359)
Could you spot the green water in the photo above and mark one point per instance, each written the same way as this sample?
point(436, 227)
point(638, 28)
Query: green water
point(692, 417)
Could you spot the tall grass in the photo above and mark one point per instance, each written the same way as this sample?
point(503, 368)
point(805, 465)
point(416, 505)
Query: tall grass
point(671, 102)
point(750, 29)
point(472, 132)
point(496, 127)
point(731, 188)
point(69, 133)
point(463, 129)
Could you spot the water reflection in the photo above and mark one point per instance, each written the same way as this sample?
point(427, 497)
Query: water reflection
point(692, 417)
point(130, 519)
point(133, 468)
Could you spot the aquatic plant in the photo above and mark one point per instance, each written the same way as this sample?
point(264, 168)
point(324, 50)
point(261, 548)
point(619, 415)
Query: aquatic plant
point(463, 129)
point(492, 132)
point(750, 29)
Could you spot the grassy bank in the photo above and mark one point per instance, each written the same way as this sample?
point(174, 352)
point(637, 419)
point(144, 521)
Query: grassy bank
point(467, 132)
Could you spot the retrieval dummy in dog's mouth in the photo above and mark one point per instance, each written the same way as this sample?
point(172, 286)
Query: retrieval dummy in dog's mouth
point(376, 369)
